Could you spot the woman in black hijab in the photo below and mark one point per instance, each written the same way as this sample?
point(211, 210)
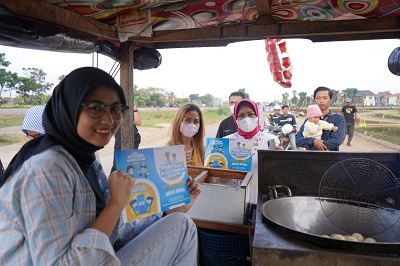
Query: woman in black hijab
point(57, 205)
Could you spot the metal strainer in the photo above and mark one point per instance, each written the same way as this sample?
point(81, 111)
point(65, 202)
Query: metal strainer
point(360, 195)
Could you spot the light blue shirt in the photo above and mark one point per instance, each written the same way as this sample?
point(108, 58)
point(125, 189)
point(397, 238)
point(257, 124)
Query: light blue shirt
point(47, 208)
point(126, 231)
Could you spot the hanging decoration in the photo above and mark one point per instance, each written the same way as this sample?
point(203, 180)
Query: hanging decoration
point(279, 62)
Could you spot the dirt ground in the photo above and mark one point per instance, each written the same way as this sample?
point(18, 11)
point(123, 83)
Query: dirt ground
point(156, 137)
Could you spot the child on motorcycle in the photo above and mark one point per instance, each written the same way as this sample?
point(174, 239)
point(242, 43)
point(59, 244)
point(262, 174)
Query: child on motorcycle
point(313, 126)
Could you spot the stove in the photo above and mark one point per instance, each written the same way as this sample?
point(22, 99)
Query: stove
point(302, 171)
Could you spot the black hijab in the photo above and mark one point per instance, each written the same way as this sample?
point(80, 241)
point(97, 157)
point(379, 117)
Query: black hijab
point(60, 120)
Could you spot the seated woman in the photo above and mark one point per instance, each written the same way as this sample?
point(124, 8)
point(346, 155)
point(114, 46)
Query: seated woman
point(191, 134)
point(187, 129)
point(247, 121)
point(32, 126)
point(66, 212)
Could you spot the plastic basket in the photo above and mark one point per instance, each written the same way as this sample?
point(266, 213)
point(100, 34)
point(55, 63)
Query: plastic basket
point(222, 248)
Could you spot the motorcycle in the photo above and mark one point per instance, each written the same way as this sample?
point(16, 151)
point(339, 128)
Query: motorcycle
point(272, 128)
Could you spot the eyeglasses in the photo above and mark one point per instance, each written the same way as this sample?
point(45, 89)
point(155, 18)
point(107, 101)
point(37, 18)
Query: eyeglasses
point(97, 109)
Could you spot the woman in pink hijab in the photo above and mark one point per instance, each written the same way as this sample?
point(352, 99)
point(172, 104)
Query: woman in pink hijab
point(247, 121)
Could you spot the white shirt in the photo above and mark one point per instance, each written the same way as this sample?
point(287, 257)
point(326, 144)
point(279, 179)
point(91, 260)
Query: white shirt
point(258, 142)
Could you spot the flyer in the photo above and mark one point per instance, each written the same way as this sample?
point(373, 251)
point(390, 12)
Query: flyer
point(161, 180)
point(228, 154)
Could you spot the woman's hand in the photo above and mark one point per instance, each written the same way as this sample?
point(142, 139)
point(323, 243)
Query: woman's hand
point(194, 190)
point(120, 184)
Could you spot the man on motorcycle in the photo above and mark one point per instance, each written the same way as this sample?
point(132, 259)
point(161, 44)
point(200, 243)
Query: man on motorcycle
point(273, 117)
point(284, 119)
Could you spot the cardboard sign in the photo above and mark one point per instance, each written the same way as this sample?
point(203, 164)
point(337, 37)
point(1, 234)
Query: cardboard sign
point(161, 180)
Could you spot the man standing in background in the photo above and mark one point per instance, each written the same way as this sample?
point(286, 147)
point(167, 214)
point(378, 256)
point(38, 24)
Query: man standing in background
point(227, 126)
point(330, 140)
point(349, 112)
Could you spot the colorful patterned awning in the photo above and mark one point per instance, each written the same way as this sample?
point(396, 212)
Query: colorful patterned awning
point(217, 13)
point(326, 10)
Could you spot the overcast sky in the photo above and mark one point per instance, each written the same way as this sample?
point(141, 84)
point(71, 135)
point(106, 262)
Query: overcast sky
point(219, 71)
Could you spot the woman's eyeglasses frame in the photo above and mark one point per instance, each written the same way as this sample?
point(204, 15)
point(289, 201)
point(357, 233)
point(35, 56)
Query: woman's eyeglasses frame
point(95, 114)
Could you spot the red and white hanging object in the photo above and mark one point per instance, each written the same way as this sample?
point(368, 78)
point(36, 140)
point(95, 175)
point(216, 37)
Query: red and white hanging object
point(279, 62)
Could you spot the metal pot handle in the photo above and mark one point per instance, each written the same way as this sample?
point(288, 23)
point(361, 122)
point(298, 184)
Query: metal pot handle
point(275, 193)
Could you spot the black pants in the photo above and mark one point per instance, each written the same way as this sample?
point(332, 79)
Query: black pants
point(349, 129)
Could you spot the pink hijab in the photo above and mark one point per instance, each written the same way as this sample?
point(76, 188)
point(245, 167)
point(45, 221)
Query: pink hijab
point(246, 135)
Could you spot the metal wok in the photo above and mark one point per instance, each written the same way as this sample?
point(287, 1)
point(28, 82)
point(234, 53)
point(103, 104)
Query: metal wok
point(305, 218)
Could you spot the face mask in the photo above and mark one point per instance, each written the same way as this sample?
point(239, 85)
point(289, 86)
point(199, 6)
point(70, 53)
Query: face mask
point(189, 130)
point(247, 124)
point(231, 107)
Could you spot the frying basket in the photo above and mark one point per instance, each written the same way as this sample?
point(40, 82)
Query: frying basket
point(366, 193)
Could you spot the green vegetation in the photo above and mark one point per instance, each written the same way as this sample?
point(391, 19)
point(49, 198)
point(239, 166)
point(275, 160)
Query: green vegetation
point(11, 121)
point(389, 134)
point(8, 139)
point(387, 114)
point(393, 115)
point(165, 115)
point(149, 119)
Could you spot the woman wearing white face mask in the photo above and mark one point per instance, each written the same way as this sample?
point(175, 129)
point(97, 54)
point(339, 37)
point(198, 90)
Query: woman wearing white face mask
point(188, 129)
point(246, 118)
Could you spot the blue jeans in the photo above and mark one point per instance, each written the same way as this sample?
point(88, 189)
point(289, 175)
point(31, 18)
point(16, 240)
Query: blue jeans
point(292, 138)
point(170, 241)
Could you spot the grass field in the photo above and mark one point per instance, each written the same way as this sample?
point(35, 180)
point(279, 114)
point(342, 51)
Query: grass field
point(149, 119)
point(8, 139)
point(153, 118)
point(389, 134)
point(11, 121)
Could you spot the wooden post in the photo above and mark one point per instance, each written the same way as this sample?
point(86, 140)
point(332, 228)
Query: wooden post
point(126, 82)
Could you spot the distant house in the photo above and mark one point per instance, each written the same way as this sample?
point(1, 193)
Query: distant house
point(385, 98)
point(398, 99)
point(365, 98)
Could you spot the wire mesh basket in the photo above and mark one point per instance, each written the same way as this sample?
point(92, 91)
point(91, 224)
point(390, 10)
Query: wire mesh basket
point(222, 248)
point(360, 195)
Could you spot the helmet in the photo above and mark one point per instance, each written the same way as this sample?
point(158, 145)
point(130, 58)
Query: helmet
point(287, 128)
point(277, 107)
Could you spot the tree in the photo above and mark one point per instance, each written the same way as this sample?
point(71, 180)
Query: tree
point(349, 93)
point(150, 97)
point(171, 98)
point(34, 86)
point(181, 101)
point(335, 96)
point(294, 100)
point(207, 100)
point(6, 77)
point(60, 78)
point(8, 81)
point(194, 97)
point(285, 98)
point(303, 99)
point(246, 95)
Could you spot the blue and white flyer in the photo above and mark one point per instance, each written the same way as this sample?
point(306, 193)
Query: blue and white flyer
point(161, 180)
point(228, 154)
